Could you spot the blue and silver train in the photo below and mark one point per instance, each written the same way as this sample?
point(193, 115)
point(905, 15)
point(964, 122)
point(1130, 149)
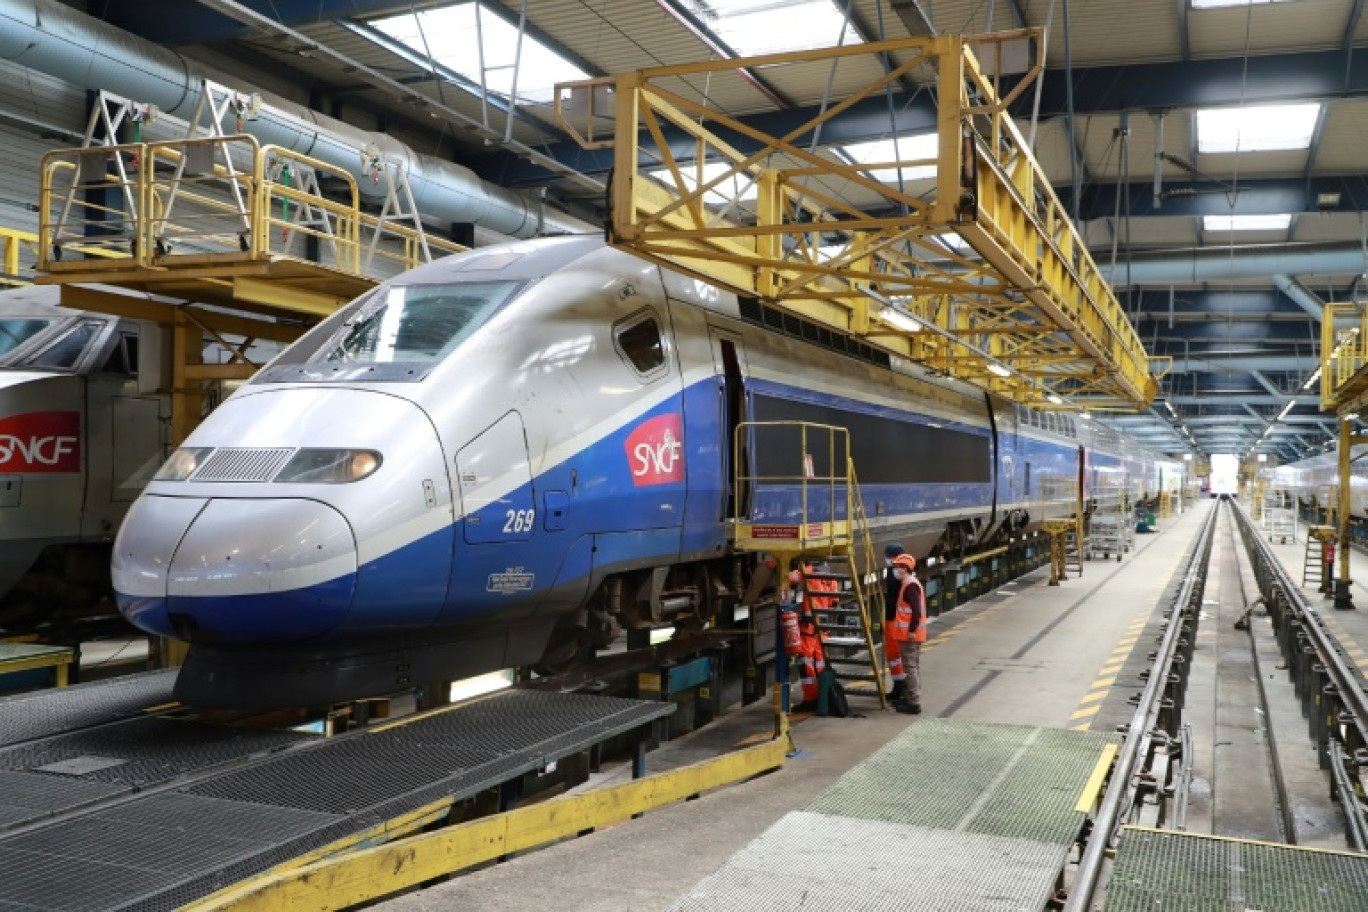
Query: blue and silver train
point(501, 458)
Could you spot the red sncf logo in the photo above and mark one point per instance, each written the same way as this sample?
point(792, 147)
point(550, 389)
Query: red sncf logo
point(655, 451)
point(41, 442)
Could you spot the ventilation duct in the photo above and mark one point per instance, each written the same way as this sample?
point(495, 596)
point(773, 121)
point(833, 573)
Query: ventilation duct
point(46, 36)
point(1218, 264)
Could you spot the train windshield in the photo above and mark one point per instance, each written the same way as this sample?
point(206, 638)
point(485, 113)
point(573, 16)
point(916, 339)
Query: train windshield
point(399, 333)
point(15, 331)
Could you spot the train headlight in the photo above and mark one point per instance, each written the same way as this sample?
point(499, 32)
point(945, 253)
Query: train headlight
point(318, 466)
point(183, 463)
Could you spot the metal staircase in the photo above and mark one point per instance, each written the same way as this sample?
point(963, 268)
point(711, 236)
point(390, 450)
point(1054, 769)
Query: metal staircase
point(819, 523)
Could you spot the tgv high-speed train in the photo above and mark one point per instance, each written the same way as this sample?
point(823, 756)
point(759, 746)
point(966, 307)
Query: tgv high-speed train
point(1315, 484)
point(497, 458)
point(78, 441)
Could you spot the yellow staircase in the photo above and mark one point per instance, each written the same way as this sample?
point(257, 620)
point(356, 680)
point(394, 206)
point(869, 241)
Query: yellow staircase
point(831, 532)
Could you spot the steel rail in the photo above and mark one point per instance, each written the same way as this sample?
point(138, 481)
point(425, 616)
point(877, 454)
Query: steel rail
point(1330, 654)
point(1138, 734)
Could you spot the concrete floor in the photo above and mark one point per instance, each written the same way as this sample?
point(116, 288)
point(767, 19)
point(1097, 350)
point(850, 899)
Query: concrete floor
point(1349, 627)
point(1026, 654)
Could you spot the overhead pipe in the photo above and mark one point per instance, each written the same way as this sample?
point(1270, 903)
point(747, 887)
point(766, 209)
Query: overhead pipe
point(46, 36)
point(1218, 264)
point(1300, 295)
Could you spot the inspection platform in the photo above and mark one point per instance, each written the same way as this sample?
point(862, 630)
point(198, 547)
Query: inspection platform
point(145, 814)
point(959, 815)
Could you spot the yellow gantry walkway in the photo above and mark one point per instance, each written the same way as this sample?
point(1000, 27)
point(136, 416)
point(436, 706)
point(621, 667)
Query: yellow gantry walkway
point(1344, 392)
point(973, 270)
point(214, 219)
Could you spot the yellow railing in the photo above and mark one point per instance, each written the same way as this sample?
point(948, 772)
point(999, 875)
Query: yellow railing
point(1344, 352)
point(211, 199)
point(969, 264)
point(822, 473)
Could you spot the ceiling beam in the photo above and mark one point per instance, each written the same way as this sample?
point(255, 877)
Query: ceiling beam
point(1254, 196)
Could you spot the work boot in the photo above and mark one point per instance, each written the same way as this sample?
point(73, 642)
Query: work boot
point(911, 709)
point(898, 692)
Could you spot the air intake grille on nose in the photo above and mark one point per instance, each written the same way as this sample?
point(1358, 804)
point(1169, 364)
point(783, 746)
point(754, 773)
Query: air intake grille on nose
point(243, 464)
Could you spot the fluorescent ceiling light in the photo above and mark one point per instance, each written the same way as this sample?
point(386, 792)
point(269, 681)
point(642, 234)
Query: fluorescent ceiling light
point(882, 151)
point(452, 37)
point(754, 27)
point(739, 186)
point(1055, 399)
point(905, 322)
point(1264, 128)
point(999, 370)
point(1246, 222)
point(1310, 381)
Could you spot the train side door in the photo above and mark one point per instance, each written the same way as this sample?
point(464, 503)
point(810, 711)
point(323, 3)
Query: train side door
point(494, 476)
point(728, 361)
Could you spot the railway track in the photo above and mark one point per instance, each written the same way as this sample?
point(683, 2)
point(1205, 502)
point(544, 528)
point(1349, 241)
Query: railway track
point(1155, 763)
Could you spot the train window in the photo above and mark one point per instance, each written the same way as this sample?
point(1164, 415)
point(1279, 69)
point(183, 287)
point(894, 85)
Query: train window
point(415, 323)
point(123, 358)
point(66, 351)
point(16, 331)
point(640, 342)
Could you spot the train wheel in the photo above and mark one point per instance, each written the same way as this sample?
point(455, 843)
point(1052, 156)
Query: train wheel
point(569, 648)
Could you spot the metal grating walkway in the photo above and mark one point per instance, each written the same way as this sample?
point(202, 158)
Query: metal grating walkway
point(1186, 872)
point(983, 814)
point(168, 848)
point(52, 712)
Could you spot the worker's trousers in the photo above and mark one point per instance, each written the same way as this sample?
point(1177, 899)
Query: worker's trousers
point(911, 667)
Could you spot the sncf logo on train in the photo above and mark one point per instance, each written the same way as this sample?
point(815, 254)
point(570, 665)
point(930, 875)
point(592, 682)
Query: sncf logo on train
point(41, 442)
point(655, 451)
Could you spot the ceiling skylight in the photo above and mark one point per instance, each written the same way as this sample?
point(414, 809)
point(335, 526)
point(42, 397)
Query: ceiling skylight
point(1266, 128)
point(1216, 4)
point(1246, 222)
point(754, 27)
point(738, 185)
point(881, 151)
point(452, 37)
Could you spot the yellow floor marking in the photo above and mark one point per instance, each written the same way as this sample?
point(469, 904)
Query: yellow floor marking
point(1127, 642)
point(1085, 712)
point(1094, 696)
point(1110, 668)
point(1103, 682)
point(1088, 797)
point(1080, 728)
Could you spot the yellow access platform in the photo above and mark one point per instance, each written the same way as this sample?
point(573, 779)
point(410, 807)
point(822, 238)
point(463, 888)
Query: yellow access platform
point(233, 240)
point(968, 265)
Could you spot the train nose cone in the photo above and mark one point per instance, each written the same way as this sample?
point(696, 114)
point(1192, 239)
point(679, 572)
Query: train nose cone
point(262, 571)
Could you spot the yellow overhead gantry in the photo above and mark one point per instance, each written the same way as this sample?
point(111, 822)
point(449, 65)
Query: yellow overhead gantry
point(1344, 392)
point(981, 277)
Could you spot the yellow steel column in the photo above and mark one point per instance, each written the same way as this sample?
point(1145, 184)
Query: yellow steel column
point(622, 192)
point(1343, 598)
point(949, 53)
point(187, 397)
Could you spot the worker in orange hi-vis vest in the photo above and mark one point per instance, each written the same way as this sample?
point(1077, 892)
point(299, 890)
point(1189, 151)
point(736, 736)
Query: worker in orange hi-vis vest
point(909, 629)
point(813, 663)
point(892, 645)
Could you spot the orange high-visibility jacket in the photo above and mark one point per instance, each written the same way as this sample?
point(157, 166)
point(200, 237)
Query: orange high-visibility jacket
point(911, 607)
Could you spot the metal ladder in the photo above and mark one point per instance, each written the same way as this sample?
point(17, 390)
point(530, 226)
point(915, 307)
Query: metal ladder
point(848, 608)
point(1311, 563)
point(833, 530)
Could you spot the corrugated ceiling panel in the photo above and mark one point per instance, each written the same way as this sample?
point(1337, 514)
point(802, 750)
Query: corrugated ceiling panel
point(1328, 226)
point(26, 94)
point(1253, 164)
point(1262, 27)
point(1160, 231)
point(1342, 148)
point(1116, 31)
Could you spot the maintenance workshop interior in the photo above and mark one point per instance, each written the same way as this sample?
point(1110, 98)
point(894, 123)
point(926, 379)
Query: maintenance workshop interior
point(684, 454)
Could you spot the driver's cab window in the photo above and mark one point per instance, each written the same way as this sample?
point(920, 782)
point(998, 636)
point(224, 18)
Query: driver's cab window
point(65, 353)
point(641, 344)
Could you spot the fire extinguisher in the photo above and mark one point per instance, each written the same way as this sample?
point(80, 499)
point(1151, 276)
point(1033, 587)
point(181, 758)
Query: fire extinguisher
point(793, 637)
point(1328, 552)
